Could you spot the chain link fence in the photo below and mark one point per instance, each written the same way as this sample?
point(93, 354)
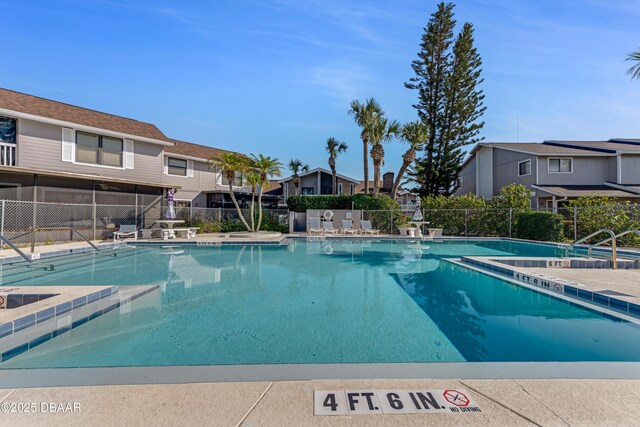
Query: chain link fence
point(19, 218)
point(23, 222)
point(578, 222)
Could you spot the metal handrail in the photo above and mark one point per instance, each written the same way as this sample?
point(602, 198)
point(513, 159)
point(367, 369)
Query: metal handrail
point(614, 252)
point(33, 236)
point(15, 248)
point(607, 240)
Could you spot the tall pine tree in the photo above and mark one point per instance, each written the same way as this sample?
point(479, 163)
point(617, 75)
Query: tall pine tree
point(447, 75)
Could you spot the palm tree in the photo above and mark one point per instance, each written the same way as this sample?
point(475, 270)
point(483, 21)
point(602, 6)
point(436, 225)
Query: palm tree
point(253, 179)
point(230, 164)
point(415, 134)
point(365, 115)
point(382, 130)
point(264, 167)
point(297, 167)
point(634, 71)
point(334, 147)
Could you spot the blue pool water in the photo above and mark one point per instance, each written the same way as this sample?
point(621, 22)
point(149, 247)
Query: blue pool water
point(318, 302)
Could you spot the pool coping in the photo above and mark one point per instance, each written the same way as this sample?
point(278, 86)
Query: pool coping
point(135, 375)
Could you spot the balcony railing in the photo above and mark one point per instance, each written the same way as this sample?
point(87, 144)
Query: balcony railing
point(7, 154)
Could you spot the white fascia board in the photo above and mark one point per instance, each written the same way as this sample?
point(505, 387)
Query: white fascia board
point(182, 156)
point(78, 126)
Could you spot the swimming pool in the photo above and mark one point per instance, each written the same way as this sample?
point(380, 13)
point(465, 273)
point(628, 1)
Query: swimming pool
point(347, 301)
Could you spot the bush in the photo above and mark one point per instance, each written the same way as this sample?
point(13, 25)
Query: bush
point(387, 220)
point(597, 212)
point(545, 226)
point(304, 203)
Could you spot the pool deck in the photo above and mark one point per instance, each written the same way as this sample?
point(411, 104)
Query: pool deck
point(503, 402)
point(626, 282)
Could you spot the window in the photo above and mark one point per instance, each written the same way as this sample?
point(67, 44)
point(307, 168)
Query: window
point(237, 181)
point(308, 191)
point(560, 165)
point(524, 168)
point(459, 182)
point(98, 150)
point(339, 188)
point(351, 188)
point(7, 130)
point(176, 167)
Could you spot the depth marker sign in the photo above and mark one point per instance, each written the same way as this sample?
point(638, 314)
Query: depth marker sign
point(356, 402)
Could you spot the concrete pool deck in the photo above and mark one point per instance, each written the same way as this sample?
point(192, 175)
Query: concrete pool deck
point(503, 402)
point(596, 280)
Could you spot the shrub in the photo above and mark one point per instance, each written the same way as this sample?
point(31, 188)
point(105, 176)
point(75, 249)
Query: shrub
point(545, 226)
point(597, 212)
point(304, 203)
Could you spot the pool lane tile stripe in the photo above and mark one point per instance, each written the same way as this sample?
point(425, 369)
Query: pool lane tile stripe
point(487, 263)
point(8, 354)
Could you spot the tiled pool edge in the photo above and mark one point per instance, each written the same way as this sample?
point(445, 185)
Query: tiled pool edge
point(553, 286)
point(54, 253)
point(63, 309)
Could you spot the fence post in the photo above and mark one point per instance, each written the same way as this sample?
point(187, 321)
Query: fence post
point(510, 220)
point(575, 223)
point(466, 221)
point(33, 226)
point(391, 213)
point(94, 220)
point(2, 224)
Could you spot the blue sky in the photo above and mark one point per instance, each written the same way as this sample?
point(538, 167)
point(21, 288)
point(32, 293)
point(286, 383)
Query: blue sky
point(276, 77)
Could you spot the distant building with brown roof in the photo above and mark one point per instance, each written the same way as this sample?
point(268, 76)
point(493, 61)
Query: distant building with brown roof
point(51, 151)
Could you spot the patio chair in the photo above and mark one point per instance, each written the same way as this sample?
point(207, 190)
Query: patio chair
point(327, 227)
point(366, 227)
point(314, 226)
point(126, 231)
point(347, 227)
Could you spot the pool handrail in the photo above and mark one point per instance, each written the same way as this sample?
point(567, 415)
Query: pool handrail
point(614, 252)
point(15, 248)
point(608, 239)
point(73, 230)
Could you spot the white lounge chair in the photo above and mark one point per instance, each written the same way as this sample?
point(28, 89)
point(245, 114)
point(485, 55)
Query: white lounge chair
point(366, 227)
point(327, 227)
point(126, 231)
point(314, 226)
point(347, 227)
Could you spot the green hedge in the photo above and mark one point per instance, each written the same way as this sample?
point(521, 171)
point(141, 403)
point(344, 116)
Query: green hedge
point(545, 226)
point(304, 203)
point(357, 202)
point(384, 212)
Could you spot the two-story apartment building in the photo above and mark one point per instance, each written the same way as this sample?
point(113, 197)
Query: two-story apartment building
point(555, 171)
point(55, 152)
point(318, 181)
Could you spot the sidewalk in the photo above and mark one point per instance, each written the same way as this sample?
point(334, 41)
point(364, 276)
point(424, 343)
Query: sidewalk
point(503, 403)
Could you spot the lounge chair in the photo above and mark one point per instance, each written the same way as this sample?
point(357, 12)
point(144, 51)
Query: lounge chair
point(314, 226)
point(367, 229)
point(126, 230)
point(327, 227)
point(347, 227)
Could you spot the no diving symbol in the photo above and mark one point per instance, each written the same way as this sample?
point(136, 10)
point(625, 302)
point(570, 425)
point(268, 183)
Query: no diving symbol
point(456, 398)
point(557, 287)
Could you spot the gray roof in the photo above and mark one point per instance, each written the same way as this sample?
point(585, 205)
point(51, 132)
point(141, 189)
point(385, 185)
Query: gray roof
point(541, 148)
point(584, 190)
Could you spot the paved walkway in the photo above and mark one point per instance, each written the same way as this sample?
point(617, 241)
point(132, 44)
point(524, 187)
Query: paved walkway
point(503, 403)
